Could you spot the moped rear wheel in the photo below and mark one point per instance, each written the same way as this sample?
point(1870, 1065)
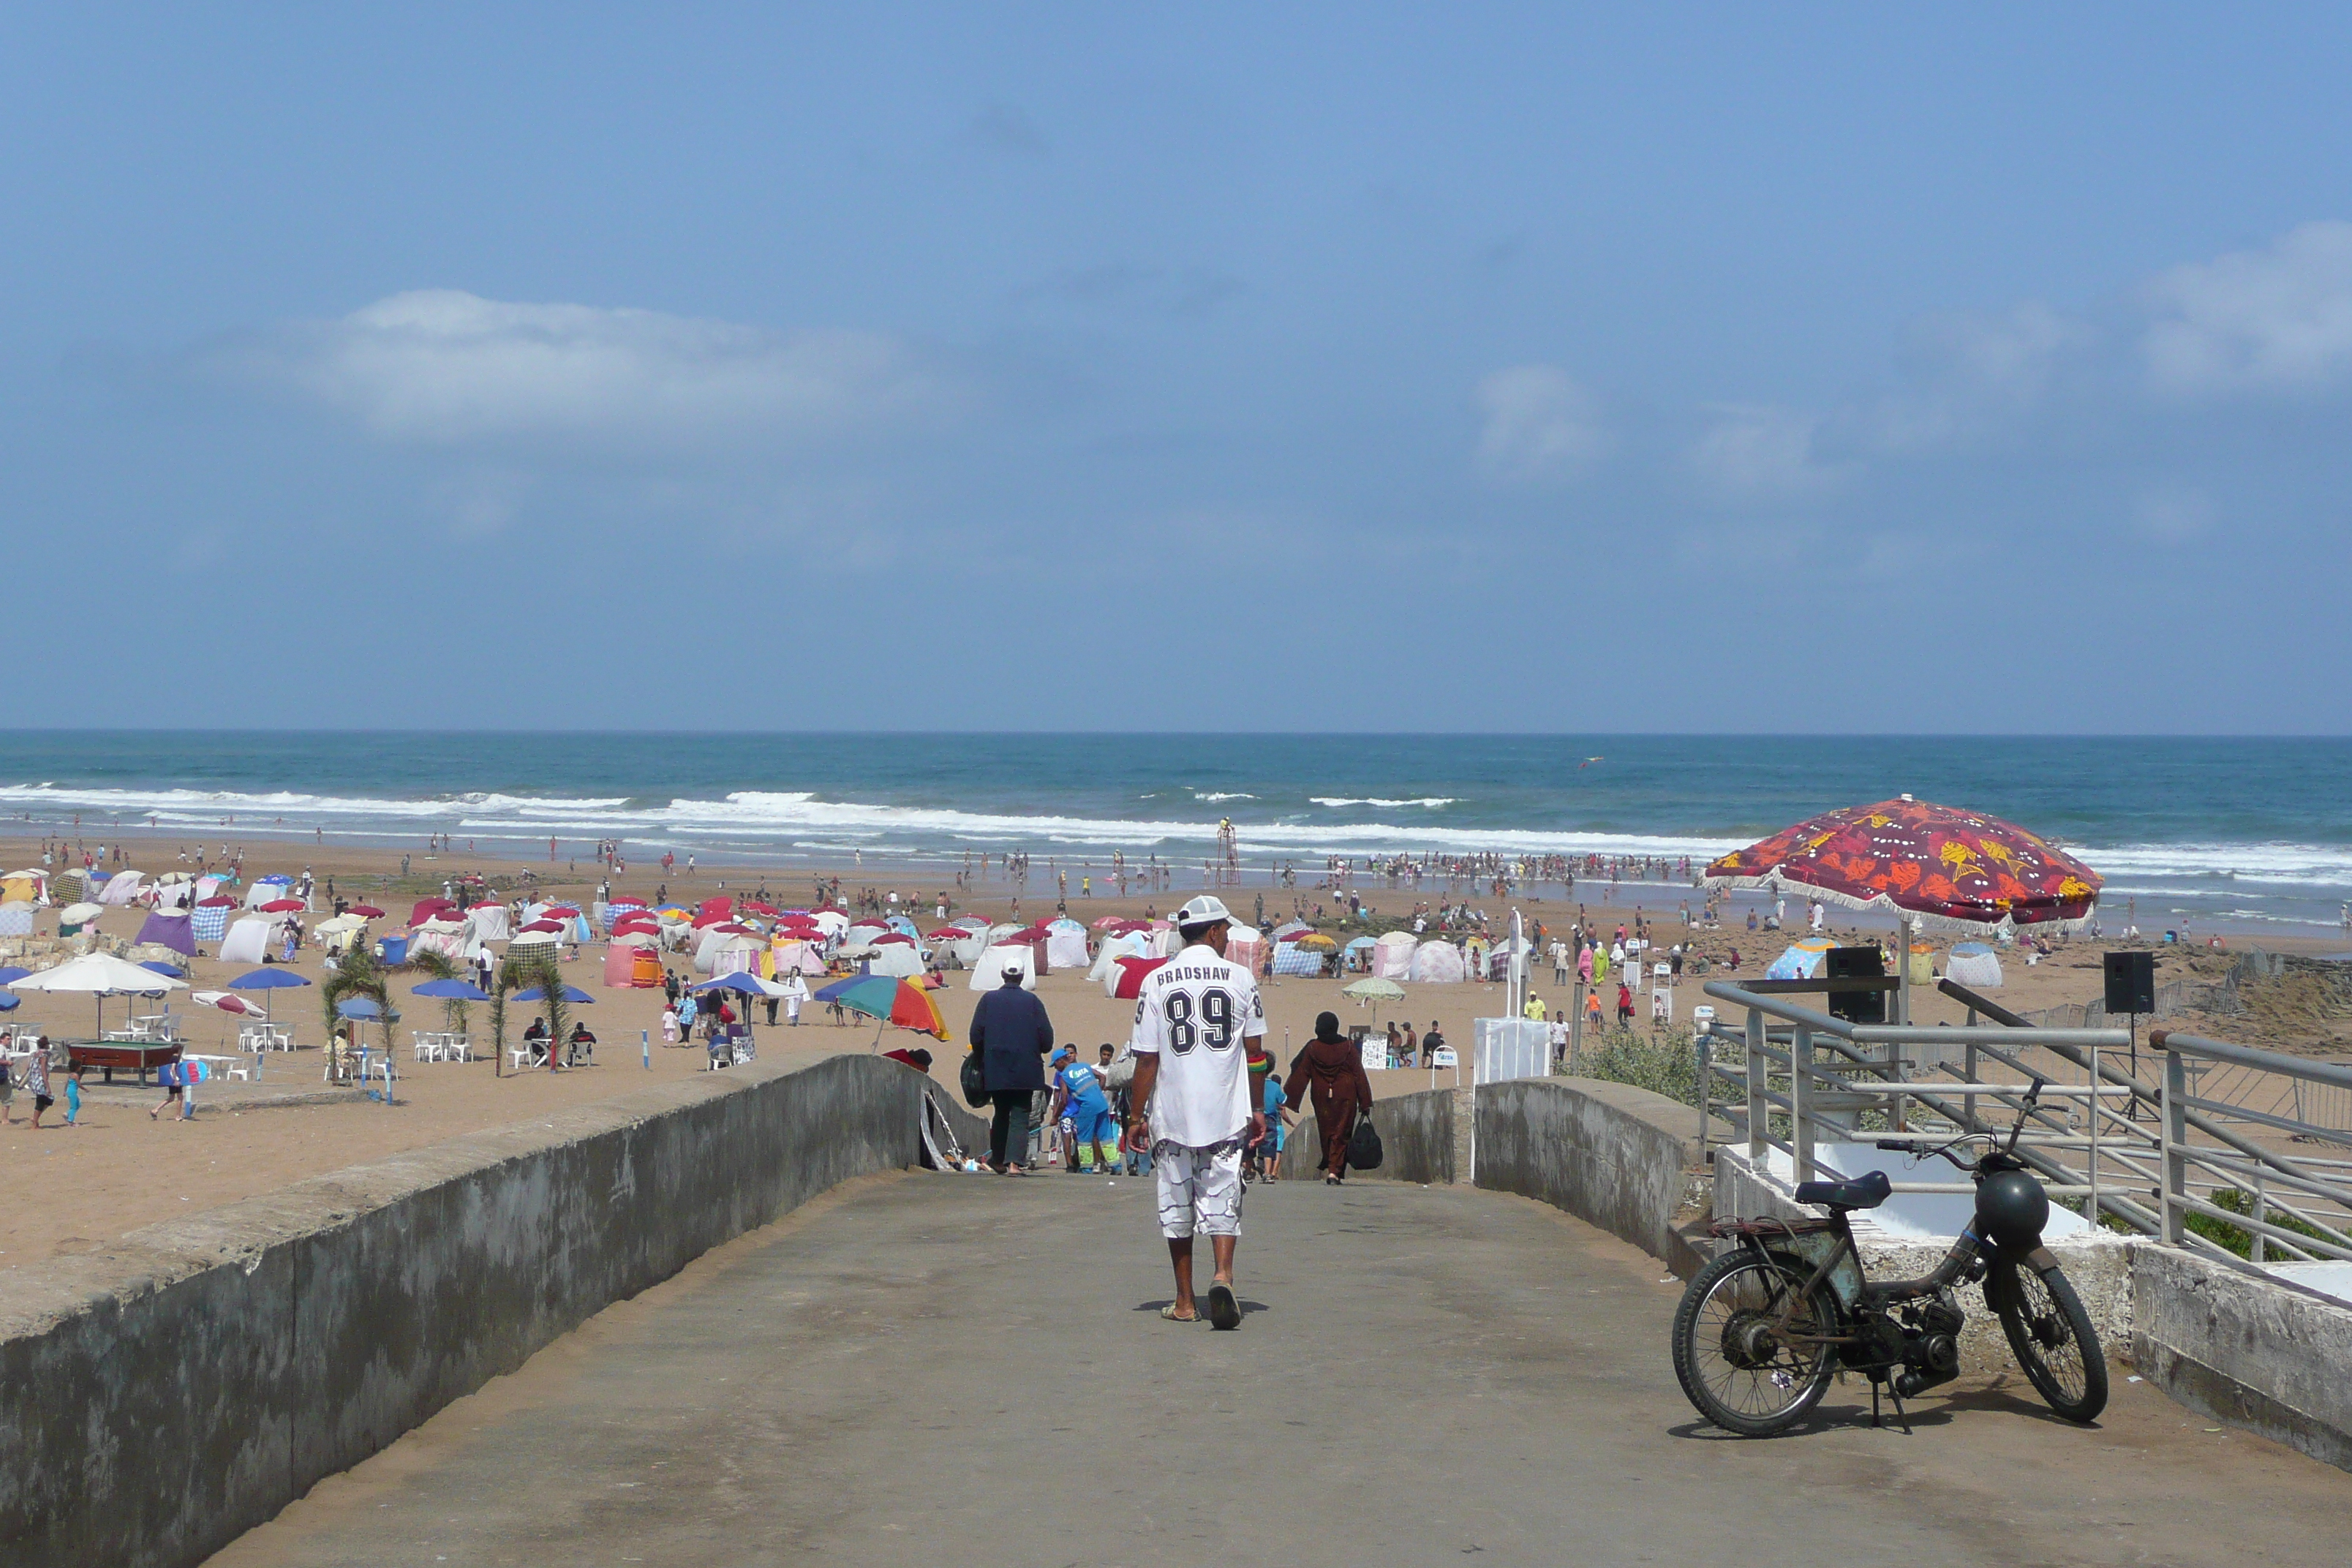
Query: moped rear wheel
point(1742, 1348)
point(2052, 1339)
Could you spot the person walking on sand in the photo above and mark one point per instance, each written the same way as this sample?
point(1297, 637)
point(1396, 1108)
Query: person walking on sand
point(1190, 1103)
point(1012, 1033)
point(37, 1079)
point(1331, 1069)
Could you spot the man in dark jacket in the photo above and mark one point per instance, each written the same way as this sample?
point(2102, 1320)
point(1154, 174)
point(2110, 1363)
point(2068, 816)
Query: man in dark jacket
point(1011, 1031)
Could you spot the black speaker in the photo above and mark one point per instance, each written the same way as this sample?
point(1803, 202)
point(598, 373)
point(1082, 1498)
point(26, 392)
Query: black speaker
point(1851, 964)
point(2131, 982)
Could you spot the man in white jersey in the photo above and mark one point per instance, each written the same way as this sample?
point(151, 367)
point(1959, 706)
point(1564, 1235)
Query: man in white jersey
point(1192, 1101)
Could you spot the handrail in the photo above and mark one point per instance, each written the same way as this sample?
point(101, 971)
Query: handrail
point(2249, 1055)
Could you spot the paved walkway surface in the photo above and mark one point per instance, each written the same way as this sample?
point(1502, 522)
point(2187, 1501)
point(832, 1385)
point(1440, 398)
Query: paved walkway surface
point(926, 1369)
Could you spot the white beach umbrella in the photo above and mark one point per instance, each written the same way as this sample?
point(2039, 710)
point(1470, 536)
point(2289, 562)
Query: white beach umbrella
point(100, 975)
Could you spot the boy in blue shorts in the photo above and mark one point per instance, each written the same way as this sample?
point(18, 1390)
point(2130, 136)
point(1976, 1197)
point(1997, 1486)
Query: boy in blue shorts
point(1086, 1110)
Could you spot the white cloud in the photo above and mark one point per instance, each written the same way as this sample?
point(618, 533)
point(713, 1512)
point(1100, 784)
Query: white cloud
point(2279, 319)
point(445, 366)
point(1759, 452)
point(1540, 426)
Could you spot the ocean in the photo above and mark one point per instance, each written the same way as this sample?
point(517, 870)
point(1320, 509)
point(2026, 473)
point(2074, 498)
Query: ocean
point(2231, 834)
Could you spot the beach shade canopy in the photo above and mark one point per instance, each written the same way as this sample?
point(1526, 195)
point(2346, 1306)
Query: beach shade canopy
point(11, 975)
point(450, 990)
point(536, 994)
point(284, 907)
point(892, 1000)
point(169, 971)
point(1373, 990)
point(9, 1001)
point(358, 1007)
point(228, 1003)
point(365, 911)
point(1947, 868)
point(1802, 962)
point(101, 974)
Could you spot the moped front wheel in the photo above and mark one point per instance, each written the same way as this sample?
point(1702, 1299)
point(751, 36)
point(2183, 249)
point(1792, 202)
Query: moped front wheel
point(1748, 1344)
point(2052, 1338)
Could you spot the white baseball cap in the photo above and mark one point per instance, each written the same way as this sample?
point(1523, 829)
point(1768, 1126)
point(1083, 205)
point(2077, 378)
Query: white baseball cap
point(1205, 911)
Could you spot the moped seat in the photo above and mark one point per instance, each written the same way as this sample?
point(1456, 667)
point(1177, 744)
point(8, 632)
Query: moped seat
point(1863, 1193)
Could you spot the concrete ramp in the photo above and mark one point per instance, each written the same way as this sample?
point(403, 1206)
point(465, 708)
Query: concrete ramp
point(928, 1369)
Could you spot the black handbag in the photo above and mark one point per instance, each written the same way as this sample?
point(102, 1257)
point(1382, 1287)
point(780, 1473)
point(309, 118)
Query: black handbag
point(1364, 1145)
point(975, 1081)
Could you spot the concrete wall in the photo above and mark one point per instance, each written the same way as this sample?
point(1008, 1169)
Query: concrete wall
point(2244, 1350)
point(1417, 1141)
point(162, 1396)
point(1622, 1158)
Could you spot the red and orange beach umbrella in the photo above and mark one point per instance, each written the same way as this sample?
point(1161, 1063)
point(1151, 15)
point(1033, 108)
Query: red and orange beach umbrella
point(1940, 866)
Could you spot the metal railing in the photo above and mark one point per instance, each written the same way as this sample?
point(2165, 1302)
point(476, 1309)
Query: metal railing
point(2314, 1194)
point(1783, 1083)
point(2145, 1157)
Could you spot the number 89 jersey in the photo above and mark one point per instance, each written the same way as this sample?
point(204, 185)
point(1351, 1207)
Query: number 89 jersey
point(1193, 1013)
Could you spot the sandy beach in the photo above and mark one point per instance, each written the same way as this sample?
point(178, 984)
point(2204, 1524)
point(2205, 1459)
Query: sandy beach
point(119, 1170)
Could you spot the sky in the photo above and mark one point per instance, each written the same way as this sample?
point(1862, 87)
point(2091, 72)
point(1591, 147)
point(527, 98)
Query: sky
point(1981, 369)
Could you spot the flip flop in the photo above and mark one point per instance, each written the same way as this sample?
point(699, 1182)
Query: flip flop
point(1169, 1312)
point(1224, 1312)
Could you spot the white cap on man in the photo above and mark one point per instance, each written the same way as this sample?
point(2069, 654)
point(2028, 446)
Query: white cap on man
point(1204, 910)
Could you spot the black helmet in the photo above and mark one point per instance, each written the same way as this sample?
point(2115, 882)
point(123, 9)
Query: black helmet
point(2011, 1209)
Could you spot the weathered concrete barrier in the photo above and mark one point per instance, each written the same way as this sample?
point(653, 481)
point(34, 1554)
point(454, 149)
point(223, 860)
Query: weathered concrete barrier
point(1417, 1137)
point(1619, 1157)
point(162, 1396)
point(2245, 1350)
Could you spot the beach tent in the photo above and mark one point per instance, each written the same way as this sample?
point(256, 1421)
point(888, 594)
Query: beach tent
point(75, 918)
point(904, 926)
point(31, 887)
point(1392, 955)
point(797, 956)
point(443, 934)
point(1802, 960)
point(174, 890)
point(1435, 964)
point(1973, 964)
point(736, 955)
point(532, 943)
point(903, 958)
point(1125, 982)
point(964, 945)
point(209, 885)
point(490, 923)
point(989, 973)
point(622, 966)
point(209, 918)
point(265, 888)
point(1133, 944)
point(121, 888)
point(425, 908)
point(1290, 958)
point(172, 929)
point(17, 918)
point(69, 886)
point(247, 941)
point(1357, 953)
point(1065, 944)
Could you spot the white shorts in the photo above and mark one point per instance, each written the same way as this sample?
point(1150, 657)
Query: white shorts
point(1199, 1188)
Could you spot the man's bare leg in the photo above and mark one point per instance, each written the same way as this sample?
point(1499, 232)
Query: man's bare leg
point(1222, 1248)
point(1180, 1254)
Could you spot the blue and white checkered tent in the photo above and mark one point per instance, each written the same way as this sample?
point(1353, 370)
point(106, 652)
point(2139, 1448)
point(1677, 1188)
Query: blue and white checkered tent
point(209, 918)
point(1289, 958)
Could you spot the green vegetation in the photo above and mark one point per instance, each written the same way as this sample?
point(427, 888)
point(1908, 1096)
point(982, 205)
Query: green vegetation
point(2237, 1239)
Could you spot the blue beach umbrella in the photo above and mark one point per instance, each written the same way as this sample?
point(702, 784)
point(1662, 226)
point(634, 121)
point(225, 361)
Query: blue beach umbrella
point(571, 993)
point(358, 1007)
point(8, 1001)
point(267, 980)
point(168, 970)
point(451, 990)
point(11, 975)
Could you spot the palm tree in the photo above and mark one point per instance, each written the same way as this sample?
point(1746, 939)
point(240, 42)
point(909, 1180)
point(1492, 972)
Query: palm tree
point(357, 976)
point(542, 967)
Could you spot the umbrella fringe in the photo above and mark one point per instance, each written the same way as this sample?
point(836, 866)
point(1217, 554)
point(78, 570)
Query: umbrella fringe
point(1921, 919)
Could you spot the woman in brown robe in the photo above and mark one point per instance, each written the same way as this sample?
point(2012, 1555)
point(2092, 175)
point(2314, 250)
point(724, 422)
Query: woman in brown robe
point(1332, 1070)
